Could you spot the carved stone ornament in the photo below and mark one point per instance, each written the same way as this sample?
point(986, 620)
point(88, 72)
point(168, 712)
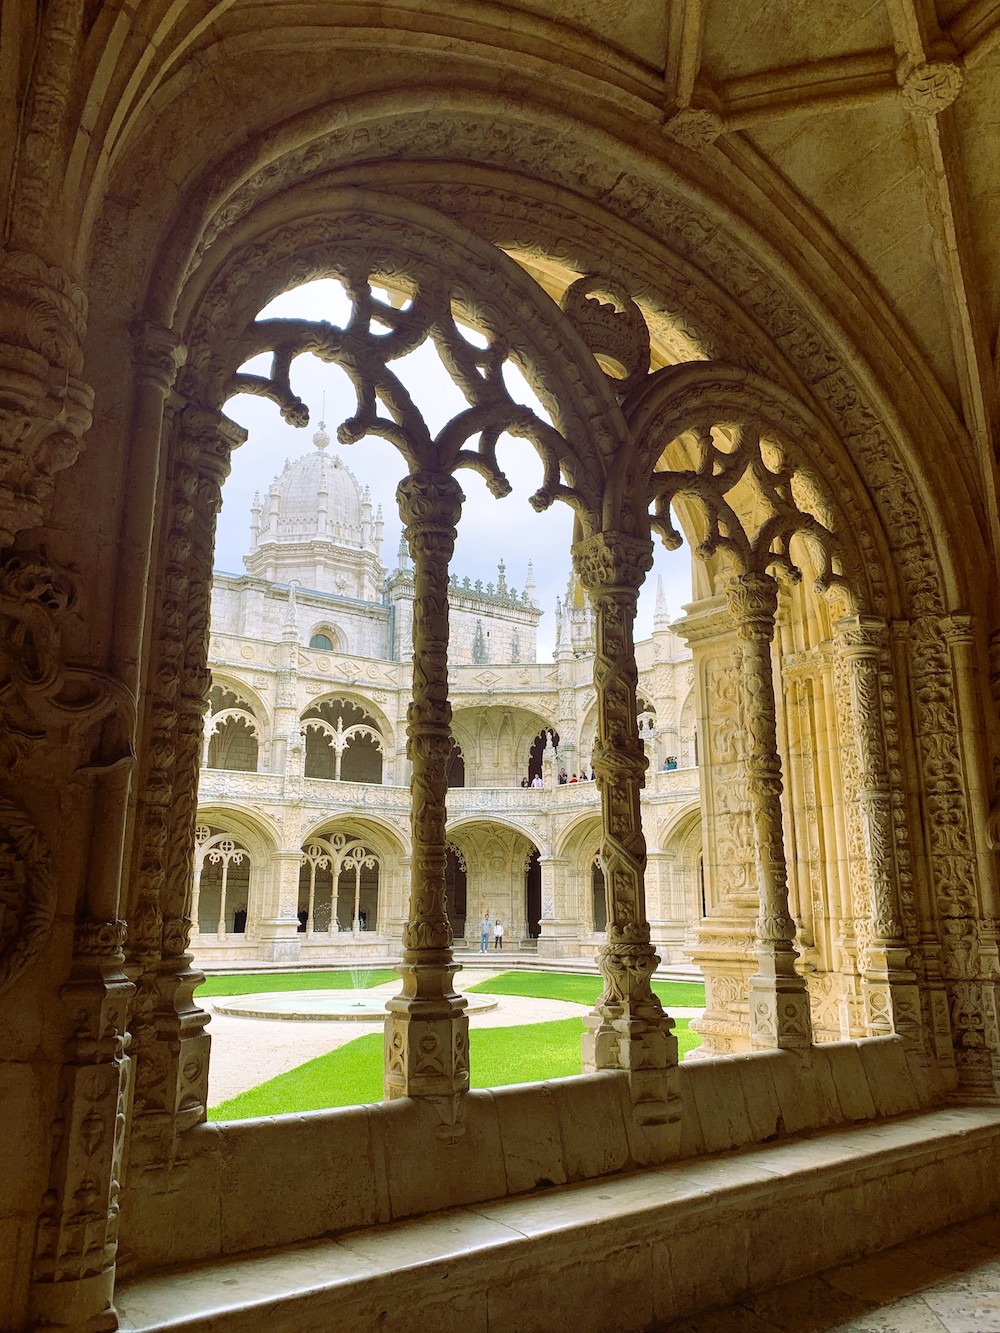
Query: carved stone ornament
point(41, 694)
point(694, 127)
point(45, 407)
point(929, 88)
point(27, 892)
point(613, 327)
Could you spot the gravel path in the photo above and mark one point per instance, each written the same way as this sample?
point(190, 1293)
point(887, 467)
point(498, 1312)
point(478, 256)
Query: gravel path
point(248, 1051)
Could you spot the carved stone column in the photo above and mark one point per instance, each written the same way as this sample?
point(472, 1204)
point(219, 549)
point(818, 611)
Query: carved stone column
point(427, 1031)
point(559, 928)
point(779, 1000)
point(78, 1226)
point(891, 997)
point(171, 1045)
point(628, 1028)
point(45, 407)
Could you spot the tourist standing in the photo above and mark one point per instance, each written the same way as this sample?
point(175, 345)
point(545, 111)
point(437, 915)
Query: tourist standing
point(498, 934)
point(484, 934)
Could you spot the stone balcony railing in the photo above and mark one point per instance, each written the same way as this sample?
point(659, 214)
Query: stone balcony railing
point(224, 786)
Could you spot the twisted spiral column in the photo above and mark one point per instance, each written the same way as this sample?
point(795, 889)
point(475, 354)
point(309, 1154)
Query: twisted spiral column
point(628, 1028)
point(779, 999)
point(427, 1031)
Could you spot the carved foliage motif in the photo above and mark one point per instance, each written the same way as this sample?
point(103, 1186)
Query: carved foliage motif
point(45, 407)
point(41, 695)
point(27, 892)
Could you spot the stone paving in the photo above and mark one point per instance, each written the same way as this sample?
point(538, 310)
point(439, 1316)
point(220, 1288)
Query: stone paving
point(948, 1282)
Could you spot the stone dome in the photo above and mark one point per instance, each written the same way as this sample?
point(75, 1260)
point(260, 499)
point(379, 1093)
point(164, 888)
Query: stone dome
point(315, 497)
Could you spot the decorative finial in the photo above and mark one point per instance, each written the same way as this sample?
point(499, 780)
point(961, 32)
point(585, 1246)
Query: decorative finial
point(661, 617)
point(529, 586)
point(321, 439)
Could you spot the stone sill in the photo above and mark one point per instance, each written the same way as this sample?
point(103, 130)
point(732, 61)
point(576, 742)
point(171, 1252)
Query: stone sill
point(626, 1253)
point(338, 1170)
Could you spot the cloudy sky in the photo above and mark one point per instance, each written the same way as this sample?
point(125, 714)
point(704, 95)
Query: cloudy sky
point(490, 530)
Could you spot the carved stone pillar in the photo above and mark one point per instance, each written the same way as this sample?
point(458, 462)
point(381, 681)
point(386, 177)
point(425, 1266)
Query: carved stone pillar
point(559, 927)
point(779, 1000)
point(723, 939)
point(45, 407)
point(170, 1042)
point(78, 1227)
point(427, 1031)
point(628, 1028)
point(891, 997)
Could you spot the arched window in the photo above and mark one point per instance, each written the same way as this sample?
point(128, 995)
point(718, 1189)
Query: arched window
point(456, 892)
point(232, 732)
point(456, 767)
point(599, 897)
point(338, 886)
point(220, 901)
point(343, 742)
point(322, 642)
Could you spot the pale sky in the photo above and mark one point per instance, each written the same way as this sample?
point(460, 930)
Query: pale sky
point(490, 530)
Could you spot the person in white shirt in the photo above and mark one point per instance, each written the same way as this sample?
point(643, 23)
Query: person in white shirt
point(498, 934)
point(536, 781)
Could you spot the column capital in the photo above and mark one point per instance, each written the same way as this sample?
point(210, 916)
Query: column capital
point(158, 354)
point(429, 500)
point(610, 560)
point(860, 635)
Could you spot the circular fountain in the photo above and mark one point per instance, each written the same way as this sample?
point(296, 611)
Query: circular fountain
point(342, 1005)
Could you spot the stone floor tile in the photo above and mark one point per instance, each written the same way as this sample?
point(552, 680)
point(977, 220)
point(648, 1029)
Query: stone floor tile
point(909, 1316)
point(808, 1306)
point(966, 1312)
point(888, 1276)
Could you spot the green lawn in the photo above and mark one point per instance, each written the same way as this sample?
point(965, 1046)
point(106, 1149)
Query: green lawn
point(353, 1074)
point(248, 983)
point(582, 989)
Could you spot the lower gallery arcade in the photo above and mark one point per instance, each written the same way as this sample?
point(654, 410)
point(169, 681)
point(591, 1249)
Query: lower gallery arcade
point(830, 869)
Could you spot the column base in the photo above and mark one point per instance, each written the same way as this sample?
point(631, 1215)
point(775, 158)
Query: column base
point(78, 1305)
point(427, 1042)
point(779, 1014)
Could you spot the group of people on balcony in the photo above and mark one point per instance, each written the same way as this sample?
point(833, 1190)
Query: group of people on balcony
point(563, 779)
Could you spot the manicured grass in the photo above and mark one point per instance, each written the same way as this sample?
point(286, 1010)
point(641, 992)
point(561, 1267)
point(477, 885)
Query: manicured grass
point(353, 1074)
point(582, 989)
point(248, 983)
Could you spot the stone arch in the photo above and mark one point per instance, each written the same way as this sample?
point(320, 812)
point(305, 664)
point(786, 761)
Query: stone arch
point(381, 835)
point(339, 235)
point(343, 741)
point(336, 642)
point(359, 700)
point(496, 855)
point(495, 739)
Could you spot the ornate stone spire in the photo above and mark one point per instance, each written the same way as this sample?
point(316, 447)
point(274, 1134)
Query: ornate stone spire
point(661, 616)
point(529, 586)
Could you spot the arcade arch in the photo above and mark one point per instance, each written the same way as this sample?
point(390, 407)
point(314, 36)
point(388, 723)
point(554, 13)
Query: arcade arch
point(570, 169)
point(500, 869)
point(598, 456)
